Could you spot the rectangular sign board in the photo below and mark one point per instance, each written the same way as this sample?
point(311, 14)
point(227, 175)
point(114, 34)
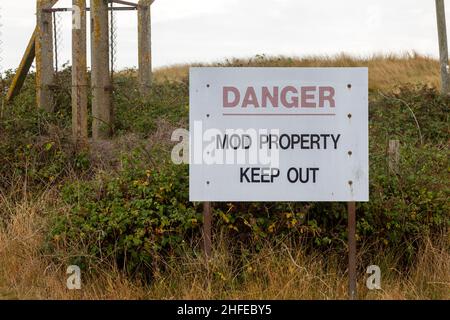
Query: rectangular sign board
point(278, 134)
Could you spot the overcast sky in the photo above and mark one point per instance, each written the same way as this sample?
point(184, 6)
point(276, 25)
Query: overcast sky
point(211, 30)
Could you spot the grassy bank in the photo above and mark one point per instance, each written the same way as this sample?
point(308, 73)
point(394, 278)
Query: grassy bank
point(281, 271)
point(385, 71)
point(120, 210)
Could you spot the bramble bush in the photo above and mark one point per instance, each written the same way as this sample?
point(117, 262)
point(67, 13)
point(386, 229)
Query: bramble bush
point(144, 210)
point(131, 216)
point(35, 147)
point(167, 100)
point(140, 211)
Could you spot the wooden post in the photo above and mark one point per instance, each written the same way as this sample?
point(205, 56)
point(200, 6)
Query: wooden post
point(44, 55)
point(351, 208)
point(394, 155)
point(443, 47)
point(145, 46)
point(100, 74)
point(79, 75)
point(207, 221)
point(22, 70)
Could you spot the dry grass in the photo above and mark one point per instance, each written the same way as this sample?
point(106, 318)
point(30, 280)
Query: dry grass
point(275, 273)
point(385, 71)
point(25, 271)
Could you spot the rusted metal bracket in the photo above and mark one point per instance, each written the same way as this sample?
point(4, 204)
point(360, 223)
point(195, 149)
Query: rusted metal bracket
point(125, 3)
point(109, 88)
point(131, 4)
point(89, 9)
point(128, 6)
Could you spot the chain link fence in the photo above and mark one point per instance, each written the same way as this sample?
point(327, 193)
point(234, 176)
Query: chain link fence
point(58, 39)
point(112, 40)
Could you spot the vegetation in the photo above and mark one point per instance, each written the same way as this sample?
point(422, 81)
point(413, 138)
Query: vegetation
point(121, 210)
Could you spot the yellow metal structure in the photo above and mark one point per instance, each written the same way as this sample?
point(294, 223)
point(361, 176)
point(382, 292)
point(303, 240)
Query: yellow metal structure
point(33, 50)
point(22, 71)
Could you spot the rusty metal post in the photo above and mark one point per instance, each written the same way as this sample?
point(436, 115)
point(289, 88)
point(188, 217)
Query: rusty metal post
point(79, 74)
point(100, 73)
point(145, 46)
point(44, 55)
point(443, 47)
point(207, 222)
point(351, 208)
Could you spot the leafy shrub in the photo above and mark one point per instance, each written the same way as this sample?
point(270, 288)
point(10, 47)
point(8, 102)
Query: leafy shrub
point(143, 211)
point(131, 217)
point(167, 100)
point(404, 206)
point(34, 147)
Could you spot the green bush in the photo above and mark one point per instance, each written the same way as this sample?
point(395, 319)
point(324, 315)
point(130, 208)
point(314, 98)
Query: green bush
point(34, 147)
point(143, 211)
point(140, 210)
point(131, 216)
point(166, 100)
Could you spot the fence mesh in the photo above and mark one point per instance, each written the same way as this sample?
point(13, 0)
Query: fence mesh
point(58, 38)
point(112, 40)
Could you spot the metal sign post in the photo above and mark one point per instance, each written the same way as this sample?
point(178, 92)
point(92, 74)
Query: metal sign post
point(279, 134)
point(351, 208)
point(207, 222)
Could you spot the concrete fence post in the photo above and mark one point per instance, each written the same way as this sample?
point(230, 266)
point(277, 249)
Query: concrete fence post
point(145, 46)
point(79, 74)
point(443, 47)
point(44, 55)
point(100, 74)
